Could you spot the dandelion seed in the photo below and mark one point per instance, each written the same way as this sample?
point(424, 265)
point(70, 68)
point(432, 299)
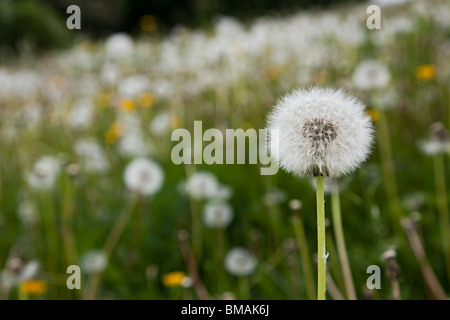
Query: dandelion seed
point(143, 176)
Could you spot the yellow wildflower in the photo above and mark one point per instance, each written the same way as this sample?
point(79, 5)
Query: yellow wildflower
point(34, 287)
point(426, 72)
point(147, 100)
point(127, 105)
point(114, 132)
point(173, 279)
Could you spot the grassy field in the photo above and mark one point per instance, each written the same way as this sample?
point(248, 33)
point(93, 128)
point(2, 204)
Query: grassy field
point(73, 122)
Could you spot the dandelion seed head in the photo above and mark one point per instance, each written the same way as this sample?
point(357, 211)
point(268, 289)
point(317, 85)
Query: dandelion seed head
point(93, 261)
point(240, 262)
point(217, 214)
point(371, 74)
point(319, 132)
point(143, 176)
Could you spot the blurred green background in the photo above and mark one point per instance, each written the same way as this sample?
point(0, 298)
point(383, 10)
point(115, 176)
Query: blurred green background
point(78, 107)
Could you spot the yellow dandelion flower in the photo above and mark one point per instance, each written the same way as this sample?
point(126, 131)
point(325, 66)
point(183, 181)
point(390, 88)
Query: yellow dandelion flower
point(374, 115)
point(173, 279)
point(147, 100)
point(148, 23)
point(104, 100)
point(34, 287)
point(426, 72)
point(127, 105)
point(114, 132)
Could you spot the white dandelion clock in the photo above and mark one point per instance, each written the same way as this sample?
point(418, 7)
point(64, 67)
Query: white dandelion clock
point(371, 74)
point(202, 185)
point(93, 261)
point(240, 262)
point(320, 132)
point(144, 176)
point(217, 214)
point(92, 155)
point(44, 173)
point(119, 46)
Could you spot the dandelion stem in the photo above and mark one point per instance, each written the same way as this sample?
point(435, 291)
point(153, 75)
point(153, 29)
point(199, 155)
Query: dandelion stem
point(340, 240)
point(321, 252)
point(304, 255)
point(111, 242)
point(387, 165)
point(441, 199)
point(427, 271)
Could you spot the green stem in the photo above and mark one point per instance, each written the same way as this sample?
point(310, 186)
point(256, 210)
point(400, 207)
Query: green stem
point(304, 255)
point(110, 244)
point(340, 241)
point(441, 198)
point(321, 252)
point(387, 166)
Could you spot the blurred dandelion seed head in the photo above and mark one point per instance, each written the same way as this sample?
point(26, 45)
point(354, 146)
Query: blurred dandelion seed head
point(143, 176)
point(93, 261)
point(240, 262)
point(217, 214)
point(371, 74)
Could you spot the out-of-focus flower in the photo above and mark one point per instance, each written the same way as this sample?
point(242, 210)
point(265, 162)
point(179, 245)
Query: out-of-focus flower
point(92, 155)
point(132, 144)
point(81, 115)
point(160, 124)
point(146, 100)
point(34, 287)
point(371, 74)
point(144, 176)
point(240, 262)
point(119, 46)
point(27, 212)
point(17, 271)
point(173, 279)
point(127, 105)
point(133, 86)
point(319, 132)
point(439, 141)
point(44, 173)
point(114, 132)
point(202, 185)
point(217, 214)
point(426, 72)
point(93, 261)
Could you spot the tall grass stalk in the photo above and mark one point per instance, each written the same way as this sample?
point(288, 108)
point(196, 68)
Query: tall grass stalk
point(442, 206)
point(340, 241)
